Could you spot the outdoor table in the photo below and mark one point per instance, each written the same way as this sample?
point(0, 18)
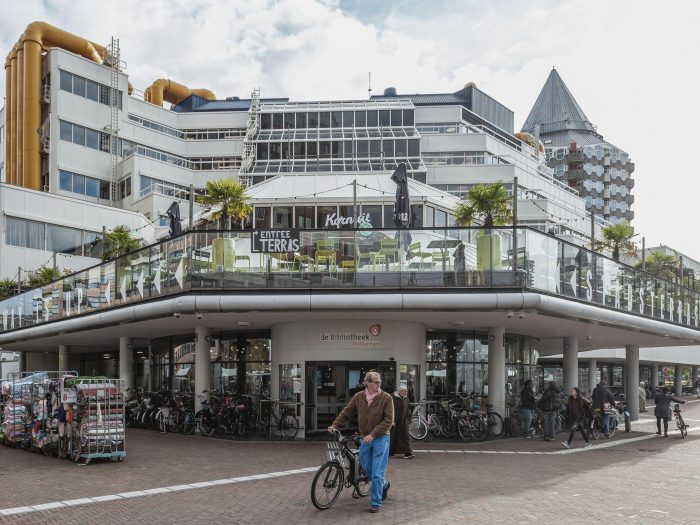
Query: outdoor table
point(443, 245)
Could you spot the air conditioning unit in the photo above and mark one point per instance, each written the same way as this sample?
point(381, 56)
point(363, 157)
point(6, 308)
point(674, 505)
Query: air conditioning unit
point(46, 94)
point(46, 144)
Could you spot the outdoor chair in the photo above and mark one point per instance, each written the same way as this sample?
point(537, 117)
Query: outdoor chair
point(415, 251)
point(389, 249)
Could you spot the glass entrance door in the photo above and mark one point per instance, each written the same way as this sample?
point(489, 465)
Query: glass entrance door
point(329, 387)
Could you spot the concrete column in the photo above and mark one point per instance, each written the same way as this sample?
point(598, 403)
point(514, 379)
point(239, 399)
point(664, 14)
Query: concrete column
point(655, 374)
point(609, 377)
point(678, 383)
point(126, 362)
point(202, 362)
point(62, 358)
point(592, 374)
point(570, 363)
point(497, 370)
point(695, 375)
point(632, 380)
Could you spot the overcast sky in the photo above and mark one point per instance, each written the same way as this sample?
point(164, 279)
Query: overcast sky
point(632, 65)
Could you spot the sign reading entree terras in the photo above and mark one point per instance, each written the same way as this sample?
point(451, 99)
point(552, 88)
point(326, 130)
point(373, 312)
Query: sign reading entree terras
point(275, 241)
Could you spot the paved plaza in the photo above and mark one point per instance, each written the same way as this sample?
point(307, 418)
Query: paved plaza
point(632, 478)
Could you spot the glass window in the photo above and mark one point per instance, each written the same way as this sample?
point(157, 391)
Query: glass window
point(408, 117)
point(66, 81)
point(324, 150)
point(304, 217)
point(360, 119)
point(289, 120)
point(400, 148)
point(429, 218)
point(25, 234)
point(64, 240)
point(324, 119)
point(65, 180)
point(275, 150)
point(416, 215)
point(348, 121)
point(362, 148)
point(301, 120)
point(79, 86)
point(375, 148)
point(336, 149)
point(92, 187)
point(313, 120)
point(282, 217)
point(384, 118)
point(93, 90)
point(277, 119)
point(389, 216)
point(262, 217)
point(346, 211)
point(92, 139)
point(388, 148)
point(372, 119)
point(413, 148)
point(79, 135)
point(263, 153)
point(299, 150)
point(372, 214)
point(104, 95)
point(440, 219)
point(265, 121)
point(311, 149)
point(66, 131)
point(104, 189)
point(324, 213)
point(78, 184)
point(396, 118)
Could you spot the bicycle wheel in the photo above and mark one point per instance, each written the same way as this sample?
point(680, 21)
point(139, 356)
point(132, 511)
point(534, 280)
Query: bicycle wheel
point(362, 486)
point(560, 422)
point(189, 422)
point(681, 426)
point(327, 484)
point(418, 429)
point(494, 423)
point(288, 427)
point(206, 424)
point(173, 421)
point(596, 427)
point(478, 428)
point(612, 425)
point(464, 428)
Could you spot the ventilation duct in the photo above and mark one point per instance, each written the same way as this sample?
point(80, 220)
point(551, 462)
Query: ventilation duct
point(173, 92)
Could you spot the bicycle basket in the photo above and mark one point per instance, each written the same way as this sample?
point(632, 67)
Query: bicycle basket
point(333, 451)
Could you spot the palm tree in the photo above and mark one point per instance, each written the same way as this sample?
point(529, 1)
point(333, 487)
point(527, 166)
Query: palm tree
point(489, 204)
point(229, 197)
point(119, 242)
point(8, 287)
point(44, 275)
point(617, 238)
point(663, 265)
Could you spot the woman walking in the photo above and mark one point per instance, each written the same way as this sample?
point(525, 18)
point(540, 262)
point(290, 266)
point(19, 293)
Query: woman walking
point(663, 409)
point(580, 414)
point(527, 407)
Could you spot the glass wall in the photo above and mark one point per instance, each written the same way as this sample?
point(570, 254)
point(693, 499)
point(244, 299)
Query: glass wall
point(240, 363)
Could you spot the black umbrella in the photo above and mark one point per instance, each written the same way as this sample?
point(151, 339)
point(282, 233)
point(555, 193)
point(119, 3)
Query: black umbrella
point(402, 205)
point(174, 213)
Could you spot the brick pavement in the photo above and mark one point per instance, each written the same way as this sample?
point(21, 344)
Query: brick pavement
point(639, 481)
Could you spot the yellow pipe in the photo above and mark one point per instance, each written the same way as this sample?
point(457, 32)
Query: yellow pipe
point(10, 117)
point(173, 92)
point(19, 127)
point(32, 115)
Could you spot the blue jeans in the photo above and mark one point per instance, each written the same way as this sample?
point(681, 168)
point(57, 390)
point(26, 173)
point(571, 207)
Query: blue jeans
point(527, 420)
point(606, 423)
point(374, 457)
point(549, 422)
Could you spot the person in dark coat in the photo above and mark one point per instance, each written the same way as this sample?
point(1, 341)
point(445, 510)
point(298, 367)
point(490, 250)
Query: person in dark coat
point(603, 400)
point(579, 415)
point(663, 410)
point(527, 407)
point(549, 405)
point(400, 438)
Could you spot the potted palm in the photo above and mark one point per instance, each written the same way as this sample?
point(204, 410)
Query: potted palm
point(490, 205)
point(8, 287)
point(120, 242)
point(228, 200)
point(663, 265)
point(617, 238)
point(44, 275)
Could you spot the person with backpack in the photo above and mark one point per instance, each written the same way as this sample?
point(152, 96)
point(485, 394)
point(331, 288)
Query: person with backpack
point(663, 410)
point(603, 400)
point(580, 414)
point(549, 406)
point(527, 407)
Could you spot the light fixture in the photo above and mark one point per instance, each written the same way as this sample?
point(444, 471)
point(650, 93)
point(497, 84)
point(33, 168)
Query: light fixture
point(492, 337)
point(509, 315)
point(129, 346)
point(199, 315)
point(176, 315)
point(521, 315)
point(588, 338)
point(243, 323)
point(207, 338)
point(457, 323)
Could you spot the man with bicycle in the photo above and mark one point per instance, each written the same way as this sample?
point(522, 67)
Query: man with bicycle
point(603, 400)
point(375, 416)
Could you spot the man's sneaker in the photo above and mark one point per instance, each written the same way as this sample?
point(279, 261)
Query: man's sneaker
point(587, 445)
point(374, 509)
point(385, 491)
point(565, 444)
point(409, 455)
point(527, 436)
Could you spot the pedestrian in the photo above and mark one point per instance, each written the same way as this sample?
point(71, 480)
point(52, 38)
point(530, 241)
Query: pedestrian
point(603, 400)
point(662, 410)
point(697, 387)
point(579, 415)
point(375, 415)
point(400, 438)
point(549, 406)
point(642, 397)
point(527, 407)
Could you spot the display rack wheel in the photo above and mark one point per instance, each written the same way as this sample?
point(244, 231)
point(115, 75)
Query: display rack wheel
point(120, 458)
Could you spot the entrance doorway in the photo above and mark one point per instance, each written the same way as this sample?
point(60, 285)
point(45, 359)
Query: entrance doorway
point(330, 385)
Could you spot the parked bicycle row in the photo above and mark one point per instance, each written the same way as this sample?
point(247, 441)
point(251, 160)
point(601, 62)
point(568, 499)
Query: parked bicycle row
point(225, 414)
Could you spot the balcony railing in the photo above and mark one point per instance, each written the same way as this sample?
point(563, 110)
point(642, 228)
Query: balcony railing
point(455, 259)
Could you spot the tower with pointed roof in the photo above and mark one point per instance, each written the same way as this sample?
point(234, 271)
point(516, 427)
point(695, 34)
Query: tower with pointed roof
point(578, 153)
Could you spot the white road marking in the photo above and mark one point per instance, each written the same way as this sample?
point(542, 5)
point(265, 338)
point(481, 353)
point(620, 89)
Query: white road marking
point(149, 492)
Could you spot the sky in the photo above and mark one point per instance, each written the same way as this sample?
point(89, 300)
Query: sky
point(632, 65)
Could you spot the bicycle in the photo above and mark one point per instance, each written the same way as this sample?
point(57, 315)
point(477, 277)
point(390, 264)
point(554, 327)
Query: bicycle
point(597, 425)
point(286, 425)
point(421, 424)
point(679, 420)
point(341, 470)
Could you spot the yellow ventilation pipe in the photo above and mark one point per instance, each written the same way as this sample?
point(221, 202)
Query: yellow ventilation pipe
point(173, 92)
point(23, 92)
